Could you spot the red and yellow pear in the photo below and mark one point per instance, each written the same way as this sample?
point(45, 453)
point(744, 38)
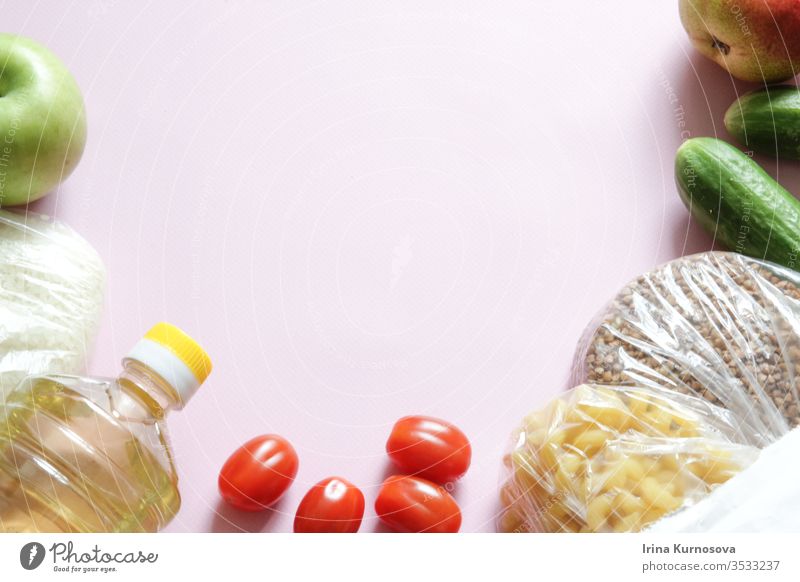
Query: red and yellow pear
point(754, 40)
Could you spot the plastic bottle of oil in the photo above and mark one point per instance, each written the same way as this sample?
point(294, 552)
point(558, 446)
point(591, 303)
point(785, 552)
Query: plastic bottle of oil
point(80, 454)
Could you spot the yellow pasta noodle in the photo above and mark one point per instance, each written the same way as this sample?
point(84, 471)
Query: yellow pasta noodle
point(615, 459)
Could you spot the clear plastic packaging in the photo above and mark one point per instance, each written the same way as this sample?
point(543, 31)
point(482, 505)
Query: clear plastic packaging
point(51, 295)
point(616, 459)
point(716, 325)
point(762, 499)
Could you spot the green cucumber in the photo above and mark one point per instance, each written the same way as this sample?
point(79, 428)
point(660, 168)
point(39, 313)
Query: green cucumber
point(735, 200)
point(767, 121)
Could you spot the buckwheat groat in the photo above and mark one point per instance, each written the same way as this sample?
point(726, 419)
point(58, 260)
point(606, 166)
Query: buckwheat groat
point(717, 325)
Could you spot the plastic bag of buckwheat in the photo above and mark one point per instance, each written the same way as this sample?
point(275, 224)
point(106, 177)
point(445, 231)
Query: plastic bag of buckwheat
point(716, 325)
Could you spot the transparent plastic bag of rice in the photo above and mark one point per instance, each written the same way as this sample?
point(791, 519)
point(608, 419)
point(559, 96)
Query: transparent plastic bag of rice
point(617, 459)
point(717, 325)
point(51, 294)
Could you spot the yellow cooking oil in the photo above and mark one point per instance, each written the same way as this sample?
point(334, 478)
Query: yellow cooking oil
point(82, 454)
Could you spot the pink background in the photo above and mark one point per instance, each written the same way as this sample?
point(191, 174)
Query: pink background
point(370, 209)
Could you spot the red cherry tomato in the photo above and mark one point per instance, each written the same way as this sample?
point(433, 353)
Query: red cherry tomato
point(411, 504)
point(334, 505)
point(429, 448)
point(258, 473)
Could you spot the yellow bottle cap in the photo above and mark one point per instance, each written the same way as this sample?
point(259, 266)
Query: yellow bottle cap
point(184, 347)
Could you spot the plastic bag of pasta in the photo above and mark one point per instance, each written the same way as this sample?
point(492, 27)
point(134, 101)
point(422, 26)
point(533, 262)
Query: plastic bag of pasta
point(717, 325)
point(617, 459)
point(763, 499)
point(51, 294)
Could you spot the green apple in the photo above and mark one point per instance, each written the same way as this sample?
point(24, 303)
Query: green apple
point(42, 121)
